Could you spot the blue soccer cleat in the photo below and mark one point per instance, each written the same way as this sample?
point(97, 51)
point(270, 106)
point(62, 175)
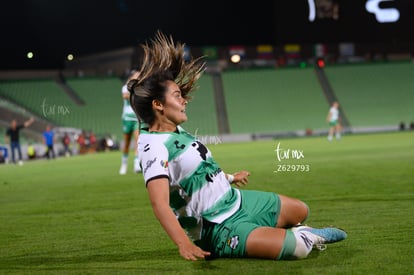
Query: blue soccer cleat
point(322, 236)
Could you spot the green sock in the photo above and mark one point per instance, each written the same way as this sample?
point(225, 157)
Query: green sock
point(289, 246)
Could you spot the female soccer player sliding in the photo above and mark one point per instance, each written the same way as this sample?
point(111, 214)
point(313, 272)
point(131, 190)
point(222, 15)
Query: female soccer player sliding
point(195, 201)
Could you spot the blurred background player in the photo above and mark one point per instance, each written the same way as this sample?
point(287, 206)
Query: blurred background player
point(49, 141)
point(130, 128)
point(333, 120)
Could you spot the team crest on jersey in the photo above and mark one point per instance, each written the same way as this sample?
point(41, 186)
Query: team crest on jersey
point(233, 242)
point(164, 163)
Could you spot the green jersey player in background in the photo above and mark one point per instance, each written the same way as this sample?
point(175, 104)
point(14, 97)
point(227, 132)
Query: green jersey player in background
point(202, 208)
point(130, 129)
point(334, 121)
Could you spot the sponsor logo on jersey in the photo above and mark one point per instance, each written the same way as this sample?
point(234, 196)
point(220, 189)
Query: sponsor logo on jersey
point(149, 164)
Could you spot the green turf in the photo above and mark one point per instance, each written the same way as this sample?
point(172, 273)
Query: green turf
point(78, 216)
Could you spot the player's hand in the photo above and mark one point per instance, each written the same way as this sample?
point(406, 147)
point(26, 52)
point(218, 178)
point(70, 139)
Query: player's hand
point(240, 178)
point(192, 252)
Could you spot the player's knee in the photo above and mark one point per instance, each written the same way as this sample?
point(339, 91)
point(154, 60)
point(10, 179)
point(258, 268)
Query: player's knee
point(305, 212)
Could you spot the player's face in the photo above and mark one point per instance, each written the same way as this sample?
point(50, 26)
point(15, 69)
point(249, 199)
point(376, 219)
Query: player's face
point(175, 104)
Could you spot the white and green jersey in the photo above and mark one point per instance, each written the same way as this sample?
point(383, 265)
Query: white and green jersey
point(198, 187)
point(127, 111)
point(334, 114)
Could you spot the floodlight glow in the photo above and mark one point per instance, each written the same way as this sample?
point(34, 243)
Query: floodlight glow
point(235, 58)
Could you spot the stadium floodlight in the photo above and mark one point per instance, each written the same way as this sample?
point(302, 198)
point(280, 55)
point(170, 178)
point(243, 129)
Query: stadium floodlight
point(235, 58)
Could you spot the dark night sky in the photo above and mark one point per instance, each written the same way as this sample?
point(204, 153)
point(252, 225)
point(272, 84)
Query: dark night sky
point(54, 28)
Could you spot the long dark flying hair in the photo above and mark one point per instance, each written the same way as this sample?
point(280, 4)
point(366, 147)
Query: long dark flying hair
point(163, 60)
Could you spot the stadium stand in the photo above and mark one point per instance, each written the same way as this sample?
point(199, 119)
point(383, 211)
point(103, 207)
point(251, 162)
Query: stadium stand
point(46, 99)
point(274, 100)
point(102, 110)
point(374, 94)
point(202, 110)
point(42, 97)
point(256, 100)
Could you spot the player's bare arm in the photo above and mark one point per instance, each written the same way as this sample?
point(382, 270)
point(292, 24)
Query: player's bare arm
point(158, 190)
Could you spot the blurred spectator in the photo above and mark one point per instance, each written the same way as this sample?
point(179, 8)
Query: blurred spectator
point(66, 143)
point(402, 126)
point(81, 140)
point(92, 140)
point(31, 152)
point(3, 154)
point(12, 136)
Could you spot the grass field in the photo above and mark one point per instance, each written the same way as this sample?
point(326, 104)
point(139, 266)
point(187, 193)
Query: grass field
point(78, 216)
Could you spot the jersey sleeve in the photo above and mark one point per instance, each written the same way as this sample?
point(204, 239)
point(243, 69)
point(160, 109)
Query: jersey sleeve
point(154, 161)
